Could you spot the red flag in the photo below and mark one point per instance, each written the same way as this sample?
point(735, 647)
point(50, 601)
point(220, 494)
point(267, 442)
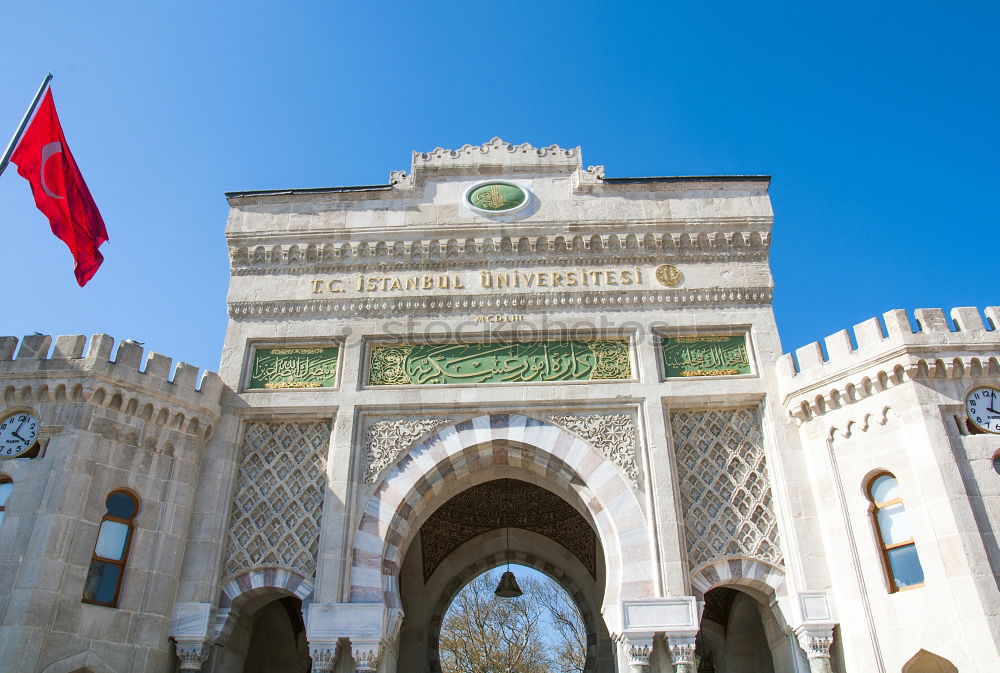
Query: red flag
point(44, 160)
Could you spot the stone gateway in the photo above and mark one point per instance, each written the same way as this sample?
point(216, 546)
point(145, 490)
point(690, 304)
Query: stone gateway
point(500, 339)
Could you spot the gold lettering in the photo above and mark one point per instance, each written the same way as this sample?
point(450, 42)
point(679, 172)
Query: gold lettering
point(503, 280)
point(557, 279)
point(584, 276)
point(396, 285)
point(317, 286)
point(384, 282)
point(480, 318)
point(543, 280)
point(428, 283)
point(610, 277)
point(412, 283)
point(571, 278)
point(457, 283)
point(361, 280)
point(442, 282)
point(486, 279)
point(626, 277)
point(638, 276)
point(371, 284)
point(595, 276)
point(331, 288)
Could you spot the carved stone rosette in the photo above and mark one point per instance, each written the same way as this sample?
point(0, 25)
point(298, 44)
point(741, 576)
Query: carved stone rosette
point(385, 440)
point(614, 435)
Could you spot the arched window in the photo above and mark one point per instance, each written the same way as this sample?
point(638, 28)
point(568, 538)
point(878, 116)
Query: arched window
point(5, 487)
point(899, 553)
point(107, 566)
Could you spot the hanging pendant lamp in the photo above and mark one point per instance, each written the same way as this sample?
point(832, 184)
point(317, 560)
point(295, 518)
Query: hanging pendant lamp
point(508, 583)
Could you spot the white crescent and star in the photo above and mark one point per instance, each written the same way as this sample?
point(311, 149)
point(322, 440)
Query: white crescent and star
point(48, 151)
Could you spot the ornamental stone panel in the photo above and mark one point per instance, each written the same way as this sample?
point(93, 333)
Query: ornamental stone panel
point(725, 491)
point(278, 500)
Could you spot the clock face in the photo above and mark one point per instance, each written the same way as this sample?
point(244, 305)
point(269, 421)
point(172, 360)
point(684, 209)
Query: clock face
point(982, 404)
point(18, 432)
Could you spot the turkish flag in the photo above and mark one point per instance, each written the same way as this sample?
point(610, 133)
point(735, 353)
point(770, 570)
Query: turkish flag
point(44, 160)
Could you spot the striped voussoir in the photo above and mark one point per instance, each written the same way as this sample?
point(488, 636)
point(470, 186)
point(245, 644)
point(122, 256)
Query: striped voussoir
point(738, 571)
point(570, 466)
point(257, 582)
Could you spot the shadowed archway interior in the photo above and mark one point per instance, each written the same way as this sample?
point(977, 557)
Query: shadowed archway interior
point(505, 503)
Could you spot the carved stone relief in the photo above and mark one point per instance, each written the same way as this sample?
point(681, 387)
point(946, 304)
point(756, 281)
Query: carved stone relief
point(278, 503)
point(386, 439)
point(504, 503)
point(614, 435)
point(725, 490)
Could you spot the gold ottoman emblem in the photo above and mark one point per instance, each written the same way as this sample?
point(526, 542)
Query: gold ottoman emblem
point(668, 275)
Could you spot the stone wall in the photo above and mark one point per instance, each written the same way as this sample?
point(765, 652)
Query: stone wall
point(107, 423)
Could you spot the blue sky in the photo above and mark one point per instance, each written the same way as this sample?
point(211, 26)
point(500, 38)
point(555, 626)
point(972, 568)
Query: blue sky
point(877, 121)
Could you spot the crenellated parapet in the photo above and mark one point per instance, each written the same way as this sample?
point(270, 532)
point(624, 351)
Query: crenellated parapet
point(930, 348)
point(141, 402)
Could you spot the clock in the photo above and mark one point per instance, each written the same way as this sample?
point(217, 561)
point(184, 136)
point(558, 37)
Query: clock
point(982, 404)
point(18, 432)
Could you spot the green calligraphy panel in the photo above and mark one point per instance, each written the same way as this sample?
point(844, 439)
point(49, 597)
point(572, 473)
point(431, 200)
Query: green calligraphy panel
point(705, 356)
point(523, 362)
point(298, 367)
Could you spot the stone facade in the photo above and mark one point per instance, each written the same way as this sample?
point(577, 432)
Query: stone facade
point(604, 348)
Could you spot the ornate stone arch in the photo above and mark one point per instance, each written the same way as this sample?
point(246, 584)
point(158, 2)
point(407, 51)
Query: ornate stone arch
point(257, 583)
point(764, 577)
point(570, 465)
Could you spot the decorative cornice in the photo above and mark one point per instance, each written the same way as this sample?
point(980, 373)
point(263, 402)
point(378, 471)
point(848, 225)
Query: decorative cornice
point(614, 435)
point(434, 305)
point(258, 256)
point(385, 440)
point(850, 387)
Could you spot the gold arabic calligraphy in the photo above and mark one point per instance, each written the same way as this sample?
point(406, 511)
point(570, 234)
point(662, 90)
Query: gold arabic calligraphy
point(705, 356)
point(275, 368)
point(428, 364)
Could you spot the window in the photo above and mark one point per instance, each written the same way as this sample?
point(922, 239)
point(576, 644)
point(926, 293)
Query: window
point(104, 579)
point(899, 553)
point(5, 487)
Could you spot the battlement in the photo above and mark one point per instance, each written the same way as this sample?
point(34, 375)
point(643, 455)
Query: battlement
point(933, 337)
point(34, 358)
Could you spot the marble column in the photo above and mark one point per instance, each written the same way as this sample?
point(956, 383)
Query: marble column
point(323, 657)
point(366, 656)
point(191, 654)
point(637, 651)
point(816, 642)
point(681, 653)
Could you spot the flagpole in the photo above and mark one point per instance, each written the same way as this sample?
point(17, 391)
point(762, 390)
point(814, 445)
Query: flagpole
point(24, 123)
